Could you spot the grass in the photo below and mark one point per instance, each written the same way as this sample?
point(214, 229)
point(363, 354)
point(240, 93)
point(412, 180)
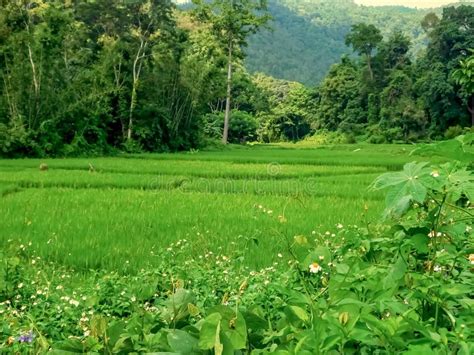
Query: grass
point(121, 213)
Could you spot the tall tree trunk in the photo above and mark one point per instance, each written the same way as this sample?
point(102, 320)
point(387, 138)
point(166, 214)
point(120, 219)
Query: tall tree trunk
point(225, 134)
point(137, 68)
point(369, 66)
point(10, 100)
point(36, 83)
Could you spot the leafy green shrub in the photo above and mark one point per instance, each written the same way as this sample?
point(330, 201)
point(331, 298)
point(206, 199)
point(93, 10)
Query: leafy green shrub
point(242, 126)
point(324, 137)
point(15, 141)
point(453, 131)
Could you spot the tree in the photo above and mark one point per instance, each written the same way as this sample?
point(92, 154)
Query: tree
point(401, 117)
point(148, 19)
point(394, 51)
point(450, 40)
point(232, 21)
point(464, 76)
point(364, 39)
point(339, 96)
point(429, 22)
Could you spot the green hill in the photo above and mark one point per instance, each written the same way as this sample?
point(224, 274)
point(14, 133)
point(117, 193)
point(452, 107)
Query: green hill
point(307, 36)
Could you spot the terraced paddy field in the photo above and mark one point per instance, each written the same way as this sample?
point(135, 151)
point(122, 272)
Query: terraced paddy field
point(122, 213)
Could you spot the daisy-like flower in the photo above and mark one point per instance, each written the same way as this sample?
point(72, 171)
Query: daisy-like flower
point(471, 259)
point(314, 268)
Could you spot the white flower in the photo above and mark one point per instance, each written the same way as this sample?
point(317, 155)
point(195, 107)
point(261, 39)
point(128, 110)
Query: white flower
point(433, 234)
point(340, 226)
point(435, 173)
point(471, 259)
point(133, 299)
point(59, 287)
point(437, 268)
point(321, 258)
point(74, 303)
point(314, 268)
point(280, 255)
point(20, 285)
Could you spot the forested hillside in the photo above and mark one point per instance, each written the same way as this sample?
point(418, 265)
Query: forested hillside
point(100, 77)
point(307, 36)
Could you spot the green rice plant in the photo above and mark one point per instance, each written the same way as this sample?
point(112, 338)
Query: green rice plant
point(120, 229)
point(115, 213)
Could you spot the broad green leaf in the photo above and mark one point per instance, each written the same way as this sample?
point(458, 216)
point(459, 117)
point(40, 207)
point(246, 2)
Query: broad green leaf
point(182, 342)
point(455, 149)
point(403, 187)
point(300, 313)
point(236, 331)
point(420, 243)
point(424, 349)
point(115, 331)
point(210, 331)
point(396, 273)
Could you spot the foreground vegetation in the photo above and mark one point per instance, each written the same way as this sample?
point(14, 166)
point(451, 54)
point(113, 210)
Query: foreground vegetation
point(404, 286)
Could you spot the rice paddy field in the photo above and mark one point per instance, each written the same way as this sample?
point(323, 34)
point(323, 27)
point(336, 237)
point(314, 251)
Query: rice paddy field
point(122, 213)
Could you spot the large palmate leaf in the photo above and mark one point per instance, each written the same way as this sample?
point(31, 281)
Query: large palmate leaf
point(404, 187)
point(458, 181)
point(460, 149)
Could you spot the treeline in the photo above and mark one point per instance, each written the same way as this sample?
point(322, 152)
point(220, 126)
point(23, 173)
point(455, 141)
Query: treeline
point(85, 77)
point(93, 77)
point(381, 94)
point(387, 96)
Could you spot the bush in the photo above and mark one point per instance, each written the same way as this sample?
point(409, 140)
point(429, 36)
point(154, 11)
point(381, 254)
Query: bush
point(453, 131)
point(324, 137)
point(242, 126)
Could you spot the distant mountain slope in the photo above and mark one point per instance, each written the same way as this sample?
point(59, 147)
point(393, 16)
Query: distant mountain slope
point(307, 36)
